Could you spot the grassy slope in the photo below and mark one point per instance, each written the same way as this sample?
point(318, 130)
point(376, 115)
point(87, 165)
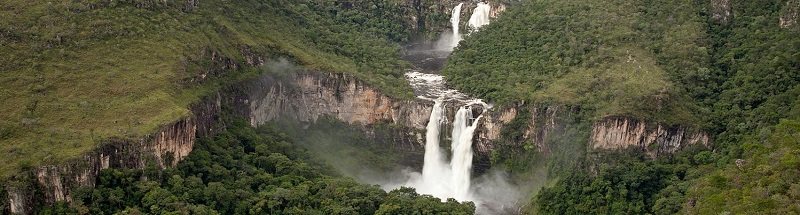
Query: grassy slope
point(601, 55)
point(75, 74)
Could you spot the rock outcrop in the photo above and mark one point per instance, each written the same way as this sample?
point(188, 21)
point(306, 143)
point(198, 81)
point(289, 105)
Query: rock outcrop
point(656, 139)
point(164, 149)
point(791, 14)
point(537, 128)
point(305, 97)
point(542, 122)
point(721, 11)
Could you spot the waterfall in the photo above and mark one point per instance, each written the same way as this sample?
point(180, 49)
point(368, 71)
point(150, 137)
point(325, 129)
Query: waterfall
point(454, 19)
point(462, 153)
point(448, 173)
point(480, 16)
point(459, 124)
point(434, 164)
point(439, 178)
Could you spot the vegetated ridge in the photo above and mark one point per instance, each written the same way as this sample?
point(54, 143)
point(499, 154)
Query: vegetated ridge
point(727, 67)
point(78, 74)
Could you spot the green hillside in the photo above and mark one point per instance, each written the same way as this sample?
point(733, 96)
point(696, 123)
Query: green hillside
point(76, 74)
point(612, 57)
point(674, 62)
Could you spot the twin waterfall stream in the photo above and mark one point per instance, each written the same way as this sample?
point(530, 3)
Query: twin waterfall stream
point(441, 177)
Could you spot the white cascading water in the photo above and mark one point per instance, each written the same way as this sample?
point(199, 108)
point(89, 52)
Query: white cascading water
point(480, 16)
point(459, 124)
point(462, 153)
point(439, 178)
point(452, 178)
point(432, 150)
point(434, 167)
point(452, 42)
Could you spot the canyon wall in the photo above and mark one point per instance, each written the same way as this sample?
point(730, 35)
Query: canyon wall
point(656, 139)
point(304, 97)
point(611, 133)
point(428, 18)
point(536, 129)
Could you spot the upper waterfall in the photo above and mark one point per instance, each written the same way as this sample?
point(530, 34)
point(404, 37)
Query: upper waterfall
point(454, 20)
point(480, 16)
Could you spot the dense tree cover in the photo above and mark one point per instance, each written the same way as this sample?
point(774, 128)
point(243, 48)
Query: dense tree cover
point(624, 182)
point(74, 69)
point(660, 61)
point(244, 171)
point(755, 71)
point(766, 182)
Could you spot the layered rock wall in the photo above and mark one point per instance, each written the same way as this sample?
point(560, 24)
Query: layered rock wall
point(537, 129)
point(610, 133)
point(305, 97)
point(656, 139)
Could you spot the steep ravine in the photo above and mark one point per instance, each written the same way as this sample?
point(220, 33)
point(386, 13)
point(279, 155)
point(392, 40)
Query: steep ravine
point(306, 97)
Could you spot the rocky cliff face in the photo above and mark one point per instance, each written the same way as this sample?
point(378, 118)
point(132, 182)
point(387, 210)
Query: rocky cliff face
point(545, 122)
point(425, 17)
point(53, 183)
point(490, 128)
point(541, 124)
point(305, 97)
point(656, 139)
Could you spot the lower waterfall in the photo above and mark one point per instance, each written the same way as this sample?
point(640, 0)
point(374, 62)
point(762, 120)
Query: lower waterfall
point(462, 153)
point(448, 179)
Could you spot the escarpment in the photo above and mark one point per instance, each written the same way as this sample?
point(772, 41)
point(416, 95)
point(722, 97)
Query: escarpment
point(50, 183)
point(534, 125)
point(306, 97)
point(656, 139)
